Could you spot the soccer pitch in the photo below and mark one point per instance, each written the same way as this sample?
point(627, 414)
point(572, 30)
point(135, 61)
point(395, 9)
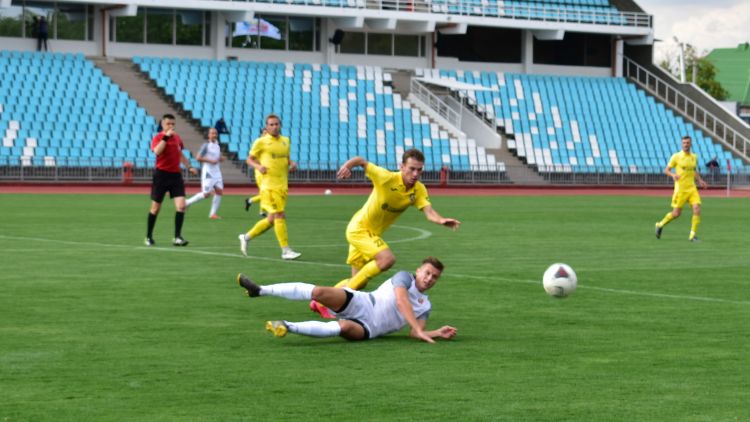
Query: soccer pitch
point(95, 326)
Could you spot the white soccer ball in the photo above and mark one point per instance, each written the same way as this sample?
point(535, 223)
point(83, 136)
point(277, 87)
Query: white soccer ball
point(560, 280)
point(328, 192)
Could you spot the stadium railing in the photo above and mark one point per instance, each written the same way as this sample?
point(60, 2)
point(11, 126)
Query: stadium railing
point(319, 173)
point(687, 107)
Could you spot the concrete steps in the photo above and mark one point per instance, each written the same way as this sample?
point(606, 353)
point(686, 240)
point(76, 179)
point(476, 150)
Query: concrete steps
point(127, 76)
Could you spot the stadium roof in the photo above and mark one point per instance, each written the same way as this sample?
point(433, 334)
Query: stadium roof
point(733, 71)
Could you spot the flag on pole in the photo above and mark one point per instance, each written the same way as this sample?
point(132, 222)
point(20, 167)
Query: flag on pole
point(257, 27)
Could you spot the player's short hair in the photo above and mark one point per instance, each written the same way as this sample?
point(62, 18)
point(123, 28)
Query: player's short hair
point(167, 116)
point(414, 154)
point(687, 137)
point(434, 262)
point(273, 116)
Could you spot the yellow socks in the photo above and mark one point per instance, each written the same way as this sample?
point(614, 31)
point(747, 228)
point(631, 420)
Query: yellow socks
point(667, 218)
point(342, 283)
point(694, 225)
point(259, 228)
point(359, 281)
point(279, 226)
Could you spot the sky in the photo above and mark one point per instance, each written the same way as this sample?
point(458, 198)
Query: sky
point(706, 24)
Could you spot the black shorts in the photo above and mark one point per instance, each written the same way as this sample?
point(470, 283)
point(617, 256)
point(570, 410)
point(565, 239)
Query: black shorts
point(164, 182)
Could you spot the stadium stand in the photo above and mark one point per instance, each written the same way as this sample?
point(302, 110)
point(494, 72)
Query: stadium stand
point(583, 124)
point(331, 113)
point(59, 110)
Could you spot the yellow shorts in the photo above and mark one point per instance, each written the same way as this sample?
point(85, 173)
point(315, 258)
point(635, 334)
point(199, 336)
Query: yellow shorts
point(273, 200)
point(681, 197)
point(363, 246)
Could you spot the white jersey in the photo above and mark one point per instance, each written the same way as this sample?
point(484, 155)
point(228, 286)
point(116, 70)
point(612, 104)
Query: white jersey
point(212, 151)
point(377, 311)
point(211, 173)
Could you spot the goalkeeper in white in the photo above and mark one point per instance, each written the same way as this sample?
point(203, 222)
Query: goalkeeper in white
point(398, 302)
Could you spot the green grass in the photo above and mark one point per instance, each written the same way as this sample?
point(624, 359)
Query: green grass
point(94, 326)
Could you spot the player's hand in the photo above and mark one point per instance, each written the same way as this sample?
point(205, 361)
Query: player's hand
point(675, 177)
point(344, 173)
point(703, 184)
point(193, 171)
point(292, 165)
point(169, 132)
point(222, 158)
point(262, 170)
point(447, 332)
point(450, 222)
point(423, 336)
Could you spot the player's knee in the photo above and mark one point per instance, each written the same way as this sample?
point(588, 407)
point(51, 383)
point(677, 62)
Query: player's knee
point(351, 330)
point(317, 293)
point(386, 261)
point(676, 212)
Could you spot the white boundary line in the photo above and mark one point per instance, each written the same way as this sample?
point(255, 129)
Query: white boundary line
point(424, 234)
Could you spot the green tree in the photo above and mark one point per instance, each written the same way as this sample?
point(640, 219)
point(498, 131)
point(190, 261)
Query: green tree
point(697, 70)
point(705, 77)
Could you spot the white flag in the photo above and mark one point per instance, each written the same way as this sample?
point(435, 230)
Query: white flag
point(258, 27)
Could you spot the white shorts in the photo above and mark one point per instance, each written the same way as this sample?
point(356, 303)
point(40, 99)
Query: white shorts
point(210, 183)
point(361, 309)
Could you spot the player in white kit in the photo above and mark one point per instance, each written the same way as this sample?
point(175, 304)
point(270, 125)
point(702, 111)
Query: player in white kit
point(398, 302)
point(211, 179)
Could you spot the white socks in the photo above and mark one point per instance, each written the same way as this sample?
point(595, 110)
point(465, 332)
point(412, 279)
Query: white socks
point(215, 204)
point(315, 328)
point(195, 198)
point(291, 291)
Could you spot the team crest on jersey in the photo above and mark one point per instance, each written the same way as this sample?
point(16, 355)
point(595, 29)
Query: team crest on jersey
point(420, 300)
point(412, 198)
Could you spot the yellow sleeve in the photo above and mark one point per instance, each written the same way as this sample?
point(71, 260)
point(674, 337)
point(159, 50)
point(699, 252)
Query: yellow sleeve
point(377, 174)
point(421, 198)
point(257, 149)
point(672, 161)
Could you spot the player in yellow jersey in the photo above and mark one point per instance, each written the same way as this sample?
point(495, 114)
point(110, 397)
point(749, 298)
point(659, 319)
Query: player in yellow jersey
point(269, 155)
point(392, 194)
point(685, 165)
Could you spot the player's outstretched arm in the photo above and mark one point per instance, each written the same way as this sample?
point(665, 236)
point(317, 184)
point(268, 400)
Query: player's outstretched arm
point(447, 332)
point(345, 171)
point(404, 307)
point(436, 218)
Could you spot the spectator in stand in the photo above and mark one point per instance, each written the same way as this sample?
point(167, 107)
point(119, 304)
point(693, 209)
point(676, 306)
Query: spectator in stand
point(41, 34)
point(713, 167)
point(221, 127)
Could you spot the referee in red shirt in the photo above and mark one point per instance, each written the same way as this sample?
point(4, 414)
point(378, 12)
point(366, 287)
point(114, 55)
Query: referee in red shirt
point(168, 146)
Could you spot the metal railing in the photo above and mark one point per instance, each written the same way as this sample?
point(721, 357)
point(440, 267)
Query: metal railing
point(440, 107)
point(472, 8)
point(325, 173)
point(678, 101)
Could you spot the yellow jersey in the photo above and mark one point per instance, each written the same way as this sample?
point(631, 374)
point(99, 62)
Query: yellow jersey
point(389, 198)
point(685, 166)
point(273, 154)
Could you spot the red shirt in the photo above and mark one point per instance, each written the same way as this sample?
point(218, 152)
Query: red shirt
point(169, 159)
